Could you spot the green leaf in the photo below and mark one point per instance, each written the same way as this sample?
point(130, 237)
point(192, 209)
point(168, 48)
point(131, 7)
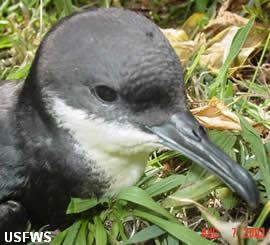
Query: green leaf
point(105, 3)
point(64, 7)
point(258, 67)
point(59, 237)
point(4, 6)
point(78, 205)
point(165, 185)
point(175, 229)
point(250, 135)
point(20, 73)
point(201, 5)
point(5, 42)
point(140, 197)
point(191, 69)
point(100, 232)
point(91, 234)
point(118, 217)
point(115, 230)
point(164, 156)
point(195, 192)
point(229, 90)
point(225, 140)
point(263, 215)
point(72, 233)
point(82, 235)
point(172, 241)
point(146, 234)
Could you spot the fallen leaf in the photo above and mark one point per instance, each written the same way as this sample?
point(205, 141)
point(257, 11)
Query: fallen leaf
point(218, 48)
point(223, 20)
point(234, 5)
point(222, 30)
point(183, 47)
point(216, 115)
point(174, 35)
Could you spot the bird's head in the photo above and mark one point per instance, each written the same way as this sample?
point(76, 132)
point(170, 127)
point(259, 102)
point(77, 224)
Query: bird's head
point(112, 80)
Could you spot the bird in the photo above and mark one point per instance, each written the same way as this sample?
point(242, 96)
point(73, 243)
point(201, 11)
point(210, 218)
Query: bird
point(105, 89)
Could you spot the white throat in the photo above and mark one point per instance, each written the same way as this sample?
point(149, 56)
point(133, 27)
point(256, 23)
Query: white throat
point(121, 151)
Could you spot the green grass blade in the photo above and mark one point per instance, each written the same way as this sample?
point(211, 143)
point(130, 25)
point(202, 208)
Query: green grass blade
point(72, 233)
point(237, 43)
point(16, 74)
point(91, 234)
point(115, 231)
point(105, 3)
point(100, 232)
point(82, 234)
point(195, 192)
point(195, 63)
point(172, 241)
point(259, 222)
point(165, 185)
point(5, 42)
point(164, 156)
point(146, 234)
point(60, 238)
point(225, 140)
point(78, 205)
point(4, 6)
point(175, 229)
point(263, 215)
point(140, 197)
point(201, 5)
point(258, 67)
point(250, 135)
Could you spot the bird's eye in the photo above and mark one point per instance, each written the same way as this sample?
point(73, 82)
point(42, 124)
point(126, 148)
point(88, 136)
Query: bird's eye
point(105, 93)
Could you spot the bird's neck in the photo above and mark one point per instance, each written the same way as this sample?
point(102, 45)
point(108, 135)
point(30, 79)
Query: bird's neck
point(119, 151)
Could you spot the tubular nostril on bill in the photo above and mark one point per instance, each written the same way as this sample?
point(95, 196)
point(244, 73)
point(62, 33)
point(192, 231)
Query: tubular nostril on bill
point(196, 135)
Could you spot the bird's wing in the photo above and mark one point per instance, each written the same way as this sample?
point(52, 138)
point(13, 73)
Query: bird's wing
point(10, 177)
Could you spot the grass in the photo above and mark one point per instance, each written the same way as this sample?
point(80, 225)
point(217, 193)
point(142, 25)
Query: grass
point(148, 210)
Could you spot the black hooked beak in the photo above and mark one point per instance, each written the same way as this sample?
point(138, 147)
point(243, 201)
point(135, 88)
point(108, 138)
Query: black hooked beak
point(183, 133)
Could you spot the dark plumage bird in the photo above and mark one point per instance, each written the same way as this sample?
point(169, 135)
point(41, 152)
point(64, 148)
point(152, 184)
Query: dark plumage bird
point(105, 90)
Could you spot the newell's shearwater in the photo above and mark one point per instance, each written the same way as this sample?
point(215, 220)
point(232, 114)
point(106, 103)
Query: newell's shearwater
point(105, 90)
